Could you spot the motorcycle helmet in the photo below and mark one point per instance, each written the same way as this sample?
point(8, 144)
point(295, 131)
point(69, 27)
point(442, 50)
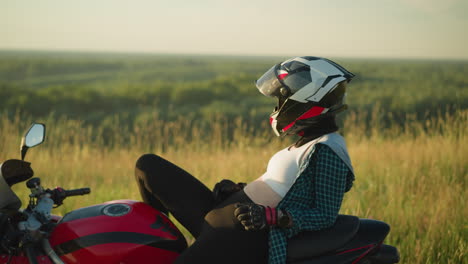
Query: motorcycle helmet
point(308, 88)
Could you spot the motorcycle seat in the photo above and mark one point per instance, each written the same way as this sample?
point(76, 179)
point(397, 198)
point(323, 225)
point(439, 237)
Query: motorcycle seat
point(314, 243)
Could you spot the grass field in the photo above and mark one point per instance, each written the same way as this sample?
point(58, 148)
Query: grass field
point(412, 177)
point(406, 132)
point(94, 87)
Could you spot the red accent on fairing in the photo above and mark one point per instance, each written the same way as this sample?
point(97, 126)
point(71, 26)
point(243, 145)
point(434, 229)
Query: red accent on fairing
point(139, 220)
point(314, 111)
point(369, 249)
point(271, 120)
point(362, 255)
point(118, 253)
point(354, 249)
point(23, 260)
point(282, 76)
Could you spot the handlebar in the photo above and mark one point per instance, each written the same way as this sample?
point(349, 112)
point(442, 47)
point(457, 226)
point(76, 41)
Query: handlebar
point(58, 194)
point(81, 191)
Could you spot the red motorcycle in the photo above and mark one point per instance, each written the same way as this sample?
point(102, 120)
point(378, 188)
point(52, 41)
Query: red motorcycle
point(126, 231)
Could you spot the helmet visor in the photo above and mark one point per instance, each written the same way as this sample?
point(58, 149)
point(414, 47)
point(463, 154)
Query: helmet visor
point(269, 84)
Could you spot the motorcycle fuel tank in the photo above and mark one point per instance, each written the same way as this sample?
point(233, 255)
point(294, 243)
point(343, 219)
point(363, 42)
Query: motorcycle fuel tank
point(122, 231)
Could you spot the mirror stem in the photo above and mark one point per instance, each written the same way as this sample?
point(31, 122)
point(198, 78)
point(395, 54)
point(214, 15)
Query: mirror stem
point(24, 149)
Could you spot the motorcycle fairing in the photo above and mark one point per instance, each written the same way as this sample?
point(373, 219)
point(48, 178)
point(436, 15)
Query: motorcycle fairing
point(366, 241)
point(23, 260)
point(115, 237)
point(314, 243)
point(109, 233)
point(385, 254)
point(120, 253)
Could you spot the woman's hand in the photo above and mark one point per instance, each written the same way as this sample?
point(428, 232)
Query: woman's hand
point(257, 217)
point(225, 188)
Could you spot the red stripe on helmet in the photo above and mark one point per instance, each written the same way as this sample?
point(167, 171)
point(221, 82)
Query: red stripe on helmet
point(282, 76)
point(314, 111)
point(289, 126)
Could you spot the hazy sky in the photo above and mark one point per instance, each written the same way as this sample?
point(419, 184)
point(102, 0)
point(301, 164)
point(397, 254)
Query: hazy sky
point(340, 28)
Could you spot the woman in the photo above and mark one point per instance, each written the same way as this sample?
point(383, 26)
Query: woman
point(301, 190)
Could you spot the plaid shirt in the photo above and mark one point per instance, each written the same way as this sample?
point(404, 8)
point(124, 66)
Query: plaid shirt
point(314, 200)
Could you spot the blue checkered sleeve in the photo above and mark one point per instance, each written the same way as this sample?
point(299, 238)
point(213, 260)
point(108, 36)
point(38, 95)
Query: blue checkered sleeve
point(328, 175)
point(314, 200)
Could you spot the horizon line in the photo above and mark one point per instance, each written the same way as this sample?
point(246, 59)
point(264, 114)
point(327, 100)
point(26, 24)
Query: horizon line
point(165, 53)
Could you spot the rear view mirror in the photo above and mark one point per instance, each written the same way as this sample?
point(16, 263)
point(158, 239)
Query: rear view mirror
point(35, 135)
point(32, 138)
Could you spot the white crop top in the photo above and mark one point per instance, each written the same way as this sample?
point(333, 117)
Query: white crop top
point(284, 167)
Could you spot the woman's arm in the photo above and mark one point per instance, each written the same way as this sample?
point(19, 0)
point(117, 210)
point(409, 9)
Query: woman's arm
point(328, 175)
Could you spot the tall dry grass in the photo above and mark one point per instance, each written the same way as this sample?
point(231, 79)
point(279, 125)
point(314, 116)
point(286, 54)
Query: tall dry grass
point(412, 177)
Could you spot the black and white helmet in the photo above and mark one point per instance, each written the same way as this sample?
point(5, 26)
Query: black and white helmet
point(307, 88)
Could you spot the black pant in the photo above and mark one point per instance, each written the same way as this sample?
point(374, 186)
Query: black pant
point(219, 236)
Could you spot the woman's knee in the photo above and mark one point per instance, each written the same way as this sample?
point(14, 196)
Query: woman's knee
point(148, 162)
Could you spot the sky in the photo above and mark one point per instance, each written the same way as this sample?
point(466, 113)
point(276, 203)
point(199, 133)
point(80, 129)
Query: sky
point(428, 29)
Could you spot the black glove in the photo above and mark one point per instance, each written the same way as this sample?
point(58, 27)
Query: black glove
point(226, 188)
point(15, 171)
point(257, 217)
